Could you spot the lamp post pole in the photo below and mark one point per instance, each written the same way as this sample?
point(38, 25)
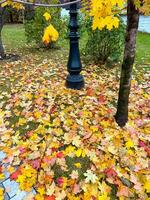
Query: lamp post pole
point(74, 80)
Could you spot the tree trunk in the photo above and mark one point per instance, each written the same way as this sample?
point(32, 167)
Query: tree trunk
point(2, 52)
point(29, 12)
point(127, 66)
point(11, 17)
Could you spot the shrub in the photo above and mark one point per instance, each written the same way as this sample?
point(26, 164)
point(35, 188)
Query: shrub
point(34, 28)
point(104, 46)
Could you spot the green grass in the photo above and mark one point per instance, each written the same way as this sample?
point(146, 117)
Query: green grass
point(15, 41)
point(143, 48)
point(14, 36)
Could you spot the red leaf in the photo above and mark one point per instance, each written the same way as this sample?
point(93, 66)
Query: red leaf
point(53, 109)
point(110, 173)
point(54, 149)
point(142, 144)
point(59, 155)
point(0, 169)
point(146, 148)
point(15, 175)
point(60, 181)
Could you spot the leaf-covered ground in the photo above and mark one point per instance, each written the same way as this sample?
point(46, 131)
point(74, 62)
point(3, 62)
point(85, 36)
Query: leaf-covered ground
point(65, 143)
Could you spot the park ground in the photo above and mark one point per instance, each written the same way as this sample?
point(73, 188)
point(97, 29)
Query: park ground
point(65, 143)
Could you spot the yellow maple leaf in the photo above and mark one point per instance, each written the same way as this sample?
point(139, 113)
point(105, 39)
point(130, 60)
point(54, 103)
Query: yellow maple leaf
point(47, 16)
point(50, 34)
point(80, 152)
point(103, 15)
point(129, 144)
point(92, 189)
point(21, 121)
point(78, 165)
point(39, 197)
point(69, 149)
point(103, 197)
point(29, 96)
point(10, 169)
point(1, 194)
point(2, 176)
point(147, 186)
point(41, 191)
point(37, 115)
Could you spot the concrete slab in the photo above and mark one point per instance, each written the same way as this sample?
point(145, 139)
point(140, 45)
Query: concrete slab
point(11, 187)
point(2, 155)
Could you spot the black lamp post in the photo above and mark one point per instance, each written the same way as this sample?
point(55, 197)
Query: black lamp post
point(74, 80)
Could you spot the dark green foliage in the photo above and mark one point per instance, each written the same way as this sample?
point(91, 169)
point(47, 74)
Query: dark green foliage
point(104, 46)
point(13, 15)
point(34, 28)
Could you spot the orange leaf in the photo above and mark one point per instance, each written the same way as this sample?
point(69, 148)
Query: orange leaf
point(90, 92)
point(52, 197)
point(101, 99)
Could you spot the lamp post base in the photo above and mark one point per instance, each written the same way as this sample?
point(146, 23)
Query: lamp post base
point(75, 82)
